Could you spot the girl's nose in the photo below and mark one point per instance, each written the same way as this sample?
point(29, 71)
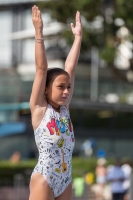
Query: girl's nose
point(66, 91)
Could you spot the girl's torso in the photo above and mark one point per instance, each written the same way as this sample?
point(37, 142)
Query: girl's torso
point(55, 141)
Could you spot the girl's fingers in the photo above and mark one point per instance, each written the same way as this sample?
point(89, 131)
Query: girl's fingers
point(34, 11)
point(78, 17)
point(39, 14)
point(72, 26)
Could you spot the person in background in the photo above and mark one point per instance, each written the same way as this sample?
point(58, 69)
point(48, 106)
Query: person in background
point(78, 184)
point(100, 177)
point(127, 169)
point(15, 157)
point(116, 177)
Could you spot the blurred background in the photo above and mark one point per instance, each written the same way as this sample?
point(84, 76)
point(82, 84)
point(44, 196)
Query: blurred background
point(102, 104)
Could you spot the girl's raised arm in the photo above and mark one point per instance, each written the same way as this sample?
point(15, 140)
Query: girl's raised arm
point(37, 99)
point(73, 56)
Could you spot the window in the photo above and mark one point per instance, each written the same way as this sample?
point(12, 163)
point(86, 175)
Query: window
point(5, 44)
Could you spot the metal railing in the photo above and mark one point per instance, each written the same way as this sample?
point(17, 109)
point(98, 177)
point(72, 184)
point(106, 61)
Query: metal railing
point(17, 189)
point(14, 189)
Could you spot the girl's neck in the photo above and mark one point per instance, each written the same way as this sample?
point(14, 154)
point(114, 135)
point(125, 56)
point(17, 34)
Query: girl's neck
point(55, 107)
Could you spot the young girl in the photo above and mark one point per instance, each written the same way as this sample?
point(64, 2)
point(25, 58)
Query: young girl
point(51, 94)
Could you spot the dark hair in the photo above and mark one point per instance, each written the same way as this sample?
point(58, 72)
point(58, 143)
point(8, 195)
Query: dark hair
point(53, 72)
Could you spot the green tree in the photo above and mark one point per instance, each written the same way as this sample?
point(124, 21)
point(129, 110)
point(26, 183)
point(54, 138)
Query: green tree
point(99, 24)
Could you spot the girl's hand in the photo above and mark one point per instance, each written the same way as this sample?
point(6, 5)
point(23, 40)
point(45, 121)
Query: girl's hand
point(77, 30)
point(37, 19)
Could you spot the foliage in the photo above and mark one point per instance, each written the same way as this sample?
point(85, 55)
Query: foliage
point(22, 164)
point(124, 11)
point(64, 11)
point(99, 23)
point(80, 166)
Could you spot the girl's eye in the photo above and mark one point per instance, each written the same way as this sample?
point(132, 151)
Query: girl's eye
point(61, 87)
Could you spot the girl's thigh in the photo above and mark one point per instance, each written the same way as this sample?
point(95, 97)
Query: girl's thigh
point(40, 189)
point(67, 194)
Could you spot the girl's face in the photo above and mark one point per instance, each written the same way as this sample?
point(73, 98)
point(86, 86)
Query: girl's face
point(58, 90)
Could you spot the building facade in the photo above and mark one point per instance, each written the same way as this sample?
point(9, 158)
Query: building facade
point(101, 106)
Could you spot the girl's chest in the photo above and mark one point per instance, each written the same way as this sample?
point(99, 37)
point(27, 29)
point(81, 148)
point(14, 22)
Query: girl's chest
point(56, 130)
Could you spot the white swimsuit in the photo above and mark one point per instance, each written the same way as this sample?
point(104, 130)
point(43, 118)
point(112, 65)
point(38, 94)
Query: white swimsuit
point(55, 140)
